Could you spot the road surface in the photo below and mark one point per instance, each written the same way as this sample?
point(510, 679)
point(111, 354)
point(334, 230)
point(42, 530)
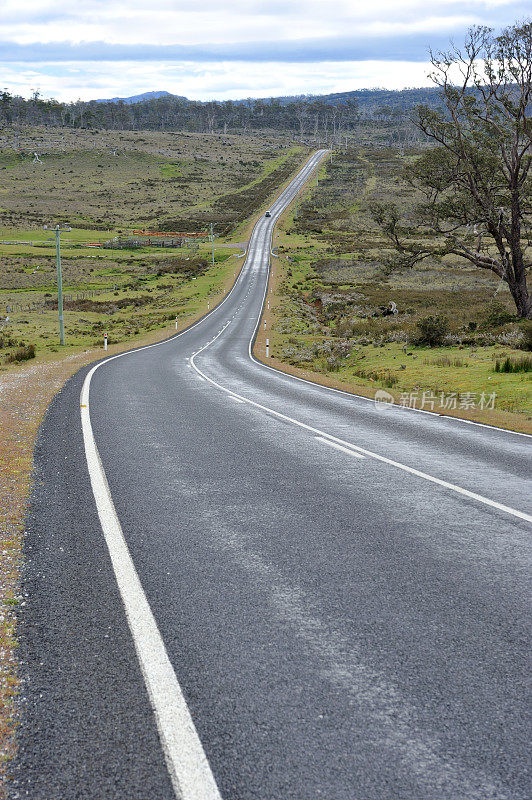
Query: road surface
point(243, 585)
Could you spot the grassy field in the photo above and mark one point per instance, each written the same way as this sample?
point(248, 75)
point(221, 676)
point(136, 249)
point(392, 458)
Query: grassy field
point(111, 181)
point(106, 185)
point(335, 283)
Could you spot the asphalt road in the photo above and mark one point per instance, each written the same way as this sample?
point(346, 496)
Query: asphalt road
point(341, 591)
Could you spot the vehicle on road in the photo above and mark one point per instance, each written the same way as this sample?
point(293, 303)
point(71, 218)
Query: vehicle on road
point(267, 214)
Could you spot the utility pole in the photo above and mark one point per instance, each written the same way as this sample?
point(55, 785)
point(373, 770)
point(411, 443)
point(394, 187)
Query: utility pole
point(57, 231)
point(212, 243)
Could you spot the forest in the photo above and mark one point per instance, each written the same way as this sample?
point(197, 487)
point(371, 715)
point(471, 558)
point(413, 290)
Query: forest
point(325, 117)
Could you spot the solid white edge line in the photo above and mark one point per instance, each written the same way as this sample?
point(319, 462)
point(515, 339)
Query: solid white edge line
point(187, 764)
point(347, 450)
point(465, 492)
point(391, 405)
point(445, 484)
point(189, 769)
point(353, 394)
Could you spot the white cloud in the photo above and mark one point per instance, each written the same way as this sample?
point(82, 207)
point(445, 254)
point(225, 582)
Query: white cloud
point(203, 81)
point(184, 22)
point(241, 28)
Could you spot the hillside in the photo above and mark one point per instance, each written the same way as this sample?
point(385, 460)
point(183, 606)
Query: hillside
point(139, 98)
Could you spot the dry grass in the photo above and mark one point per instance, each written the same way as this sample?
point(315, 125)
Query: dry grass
point(112, 180)
point(326, 319)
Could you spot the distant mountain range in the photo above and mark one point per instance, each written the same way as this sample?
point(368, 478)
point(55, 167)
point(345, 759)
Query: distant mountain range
point(402, 98)
point(138, 98)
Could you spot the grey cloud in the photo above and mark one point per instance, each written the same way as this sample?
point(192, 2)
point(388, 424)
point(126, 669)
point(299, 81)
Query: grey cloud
point(411, 47)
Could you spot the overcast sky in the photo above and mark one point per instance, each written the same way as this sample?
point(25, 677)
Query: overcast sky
point(206, 49)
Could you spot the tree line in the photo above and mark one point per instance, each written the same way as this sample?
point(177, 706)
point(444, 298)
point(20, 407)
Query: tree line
point(326, 118)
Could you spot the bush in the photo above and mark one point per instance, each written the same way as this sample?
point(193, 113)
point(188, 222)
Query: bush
point(432, 330)
point(523, 364)
point(295, 354)
point(510, 338)
point(497, 314)
point(22, 354)
point(526, 340)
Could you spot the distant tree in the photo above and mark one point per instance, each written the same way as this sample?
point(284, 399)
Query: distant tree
point(5, 105)
point(476, 181)
point(302, 110)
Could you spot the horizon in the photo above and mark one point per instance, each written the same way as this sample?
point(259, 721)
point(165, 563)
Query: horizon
point(163, 92)
point(244, 50)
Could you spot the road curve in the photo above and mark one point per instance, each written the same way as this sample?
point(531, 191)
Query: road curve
point(340, 592)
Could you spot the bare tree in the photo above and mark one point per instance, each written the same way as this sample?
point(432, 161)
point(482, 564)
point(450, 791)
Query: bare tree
point(476, 181)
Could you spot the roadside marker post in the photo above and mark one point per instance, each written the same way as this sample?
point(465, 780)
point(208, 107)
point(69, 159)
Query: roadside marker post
point(264, 324)
point(176, 323)
point(105, 341)
point(212, 242)
point(267, 348)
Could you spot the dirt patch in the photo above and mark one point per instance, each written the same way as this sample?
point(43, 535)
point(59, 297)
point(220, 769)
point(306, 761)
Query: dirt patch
point(24, 397)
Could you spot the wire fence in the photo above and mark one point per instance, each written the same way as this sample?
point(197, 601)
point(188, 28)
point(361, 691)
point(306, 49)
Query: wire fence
point(11, 307)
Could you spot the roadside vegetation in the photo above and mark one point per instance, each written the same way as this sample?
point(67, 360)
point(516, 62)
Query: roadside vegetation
point(407, 270)
point(346, 313)
point(107, 185)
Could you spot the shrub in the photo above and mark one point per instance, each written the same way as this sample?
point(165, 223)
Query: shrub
point(497, 314)
point(297, 355)
point(523, 364)
point(333, 363)
point(526, 340)
point(22, 354)
point(432, 330)
point(510, 338)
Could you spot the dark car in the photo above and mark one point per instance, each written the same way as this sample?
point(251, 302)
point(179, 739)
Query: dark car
point(267, 214)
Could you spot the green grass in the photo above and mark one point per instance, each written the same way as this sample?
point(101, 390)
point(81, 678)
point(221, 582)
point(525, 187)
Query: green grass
point(199, 178)
point(153, 303)
point(336, 284)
